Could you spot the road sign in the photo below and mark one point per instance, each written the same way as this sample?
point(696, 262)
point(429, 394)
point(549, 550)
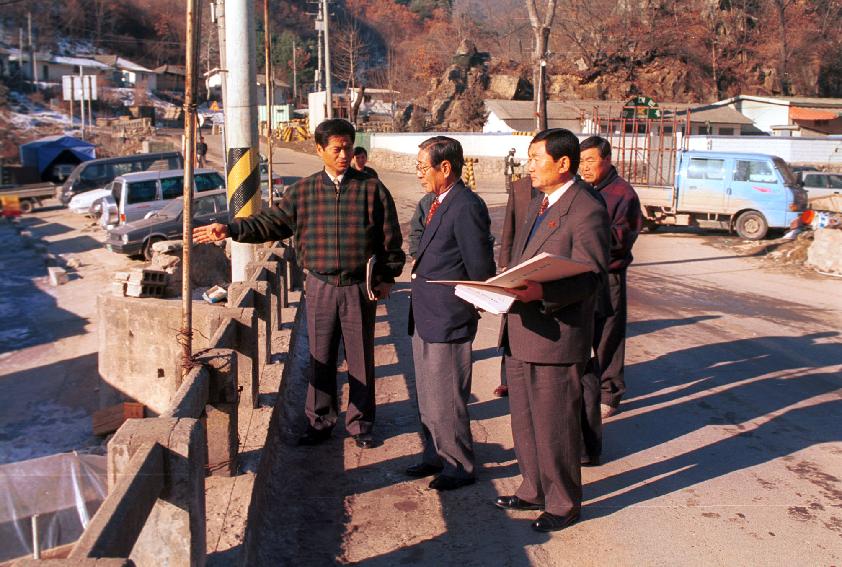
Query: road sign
point(84, 85)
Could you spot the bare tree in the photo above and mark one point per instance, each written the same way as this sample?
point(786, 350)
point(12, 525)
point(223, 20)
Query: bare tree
point(541, 31)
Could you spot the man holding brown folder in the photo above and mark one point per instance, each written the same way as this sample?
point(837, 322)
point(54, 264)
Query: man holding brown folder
point(548, 331)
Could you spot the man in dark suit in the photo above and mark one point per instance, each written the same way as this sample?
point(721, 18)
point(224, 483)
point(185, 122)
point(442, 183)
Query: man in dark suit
point(456, 245)
point(626, 223)
point(521, 194)
point(548, 331)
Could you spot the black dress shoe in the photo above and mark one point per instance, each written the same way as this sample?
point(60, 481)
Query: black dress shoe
point(589, 461)
point(515, 503)
point(547, 522)
point(422, 469)
point(314, 437)
point(442, 482)
point(364, 441)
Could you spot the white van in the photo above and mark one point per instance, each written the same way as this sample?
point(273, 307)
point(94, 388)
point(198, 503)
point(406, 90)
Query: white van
point(134, 195)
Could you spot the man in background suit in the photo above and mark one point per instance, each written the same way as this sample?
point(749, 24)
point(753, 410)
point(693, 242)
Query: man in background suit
point(626, 222)
point(456, 245)
point(547, 333)
point(521, 194)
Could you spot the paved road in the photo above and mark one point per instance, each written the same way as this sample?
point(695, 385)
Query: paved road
point(728, 449)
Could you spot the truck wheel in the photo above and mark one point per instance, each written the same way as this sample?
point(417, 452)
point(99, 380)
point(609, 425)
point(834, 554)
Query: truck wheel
point(147, 249)
point(650, 226)
point(751, 225)
point(26, 206)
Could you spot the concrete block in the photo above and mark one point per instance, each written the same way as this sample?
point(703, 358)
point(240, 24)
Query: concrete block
point(221, 424)
point(58, 276)
point(221, 364)
point(166, 246)
point(825, 253)
point(145, 290)
point(174, 534)
point(118, 288)
point(274, 270)
point(191, 396)
point(121, 276)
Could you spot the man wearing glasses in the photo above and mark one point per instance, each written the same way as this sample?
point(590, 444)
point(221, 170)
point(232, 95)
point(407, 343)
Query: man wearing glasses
point(456, 244)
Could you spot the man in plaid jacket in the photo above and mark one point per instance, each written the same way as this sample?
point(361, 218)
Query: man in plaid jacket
point(340, 218)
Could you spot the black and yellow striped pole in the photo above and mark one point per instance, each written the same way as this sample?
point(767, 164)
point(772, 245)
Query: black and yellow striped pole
point(243, 182)
point(243, 162)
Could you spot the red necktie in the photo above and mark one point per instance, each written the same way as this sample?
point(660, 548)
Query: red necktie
point(544, 206)
point(433, 208)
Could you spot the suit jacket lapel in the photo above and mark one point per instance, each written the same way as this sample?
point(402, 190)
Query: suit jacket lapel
point(524, 230)
point(435, 222)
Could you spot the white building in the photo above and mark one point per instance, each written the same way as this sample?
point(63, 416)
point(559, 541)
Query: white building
point(788, 116)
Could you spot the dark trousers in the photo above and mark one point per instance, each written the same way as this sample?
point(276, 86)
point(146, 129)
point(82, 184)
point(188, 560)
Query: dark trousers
point(591, 412)
point(610, 342)
point(443, 386)
point(334, 312)
point(545, 401)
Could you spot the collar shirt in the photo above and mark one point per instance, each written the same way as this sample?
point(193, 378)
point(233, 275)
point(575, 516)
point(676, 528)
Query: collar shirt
point(556, 195)
point(444, 193)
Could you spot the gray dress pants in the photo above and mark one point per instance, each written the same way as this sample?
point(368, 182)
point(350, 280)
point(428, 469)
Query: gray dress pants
point(334, 312)
point(443, 385)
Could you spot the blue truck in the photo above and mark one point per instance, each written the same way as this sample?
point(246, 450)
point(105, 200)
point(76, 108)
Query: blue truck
point(748, 193)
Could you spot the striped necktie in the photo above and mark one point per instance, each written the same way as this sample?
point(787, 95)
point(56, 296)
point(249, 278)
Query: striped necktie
point(433, 208)
point(545, 204)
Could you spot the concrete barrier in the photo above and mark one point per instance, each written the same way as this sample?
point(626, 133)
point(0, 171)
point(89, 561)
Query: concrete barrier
point(155, 510)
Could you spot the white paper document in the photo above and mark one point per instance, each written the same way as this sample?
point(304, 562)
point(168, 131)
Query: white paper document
point(497, 301)
point(493, 296)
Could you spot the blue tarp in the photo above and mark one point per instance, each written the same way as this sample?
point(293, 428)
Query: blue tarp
point(41, 153)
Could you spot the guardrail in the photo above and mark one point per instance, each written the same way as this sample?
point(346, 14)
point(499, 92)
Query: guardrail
point(155, 508)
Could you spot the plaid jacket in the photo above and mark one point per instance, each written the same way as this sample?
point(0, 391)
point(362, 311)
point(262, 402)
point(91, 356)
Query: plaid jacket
point(335, 232)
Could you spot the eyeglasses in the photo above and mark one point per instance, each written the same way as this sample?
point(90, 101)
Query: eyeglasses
point(422, 168)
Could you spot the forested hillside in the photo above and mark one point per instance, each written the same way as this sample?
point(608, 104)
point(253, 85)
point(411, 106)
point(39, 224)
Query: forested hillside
point(689, 50)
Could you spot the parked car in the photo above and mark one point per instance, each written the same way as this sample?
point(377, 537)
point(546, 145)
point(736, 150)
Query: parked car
point(97, 173)
point(277, 183)
point(135, 195)
point(820, 184)
point(137, 237)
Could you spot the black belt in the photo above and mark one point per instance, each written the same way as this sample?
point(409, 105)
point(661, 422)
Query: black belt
point(339, 279)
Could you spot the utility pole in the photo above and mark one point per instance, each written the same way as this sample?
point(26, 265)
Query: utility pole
point(317, 78)
point(294, 74)
point(328, 86)
point(194, 12)
point(32, 53)
point(241, 125)
point(270, 92)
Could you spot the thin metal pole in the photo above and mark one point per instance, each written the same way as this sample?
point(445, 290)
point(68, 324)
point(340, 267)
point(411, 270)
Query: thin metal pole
point(294, 74)
point(190, 84)
point(270, 91)
point(71, 100)
point(36, 538)
point(82, 99)
point(328, 85)
point(89, 80)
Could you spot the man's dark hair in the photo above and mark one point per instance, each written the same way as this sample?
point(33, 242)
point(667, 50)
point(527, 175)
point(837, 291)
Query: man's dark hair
point(360, 150)
point(603, 145)
point(333, 127)
point(560, 142)
point(442, 148)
